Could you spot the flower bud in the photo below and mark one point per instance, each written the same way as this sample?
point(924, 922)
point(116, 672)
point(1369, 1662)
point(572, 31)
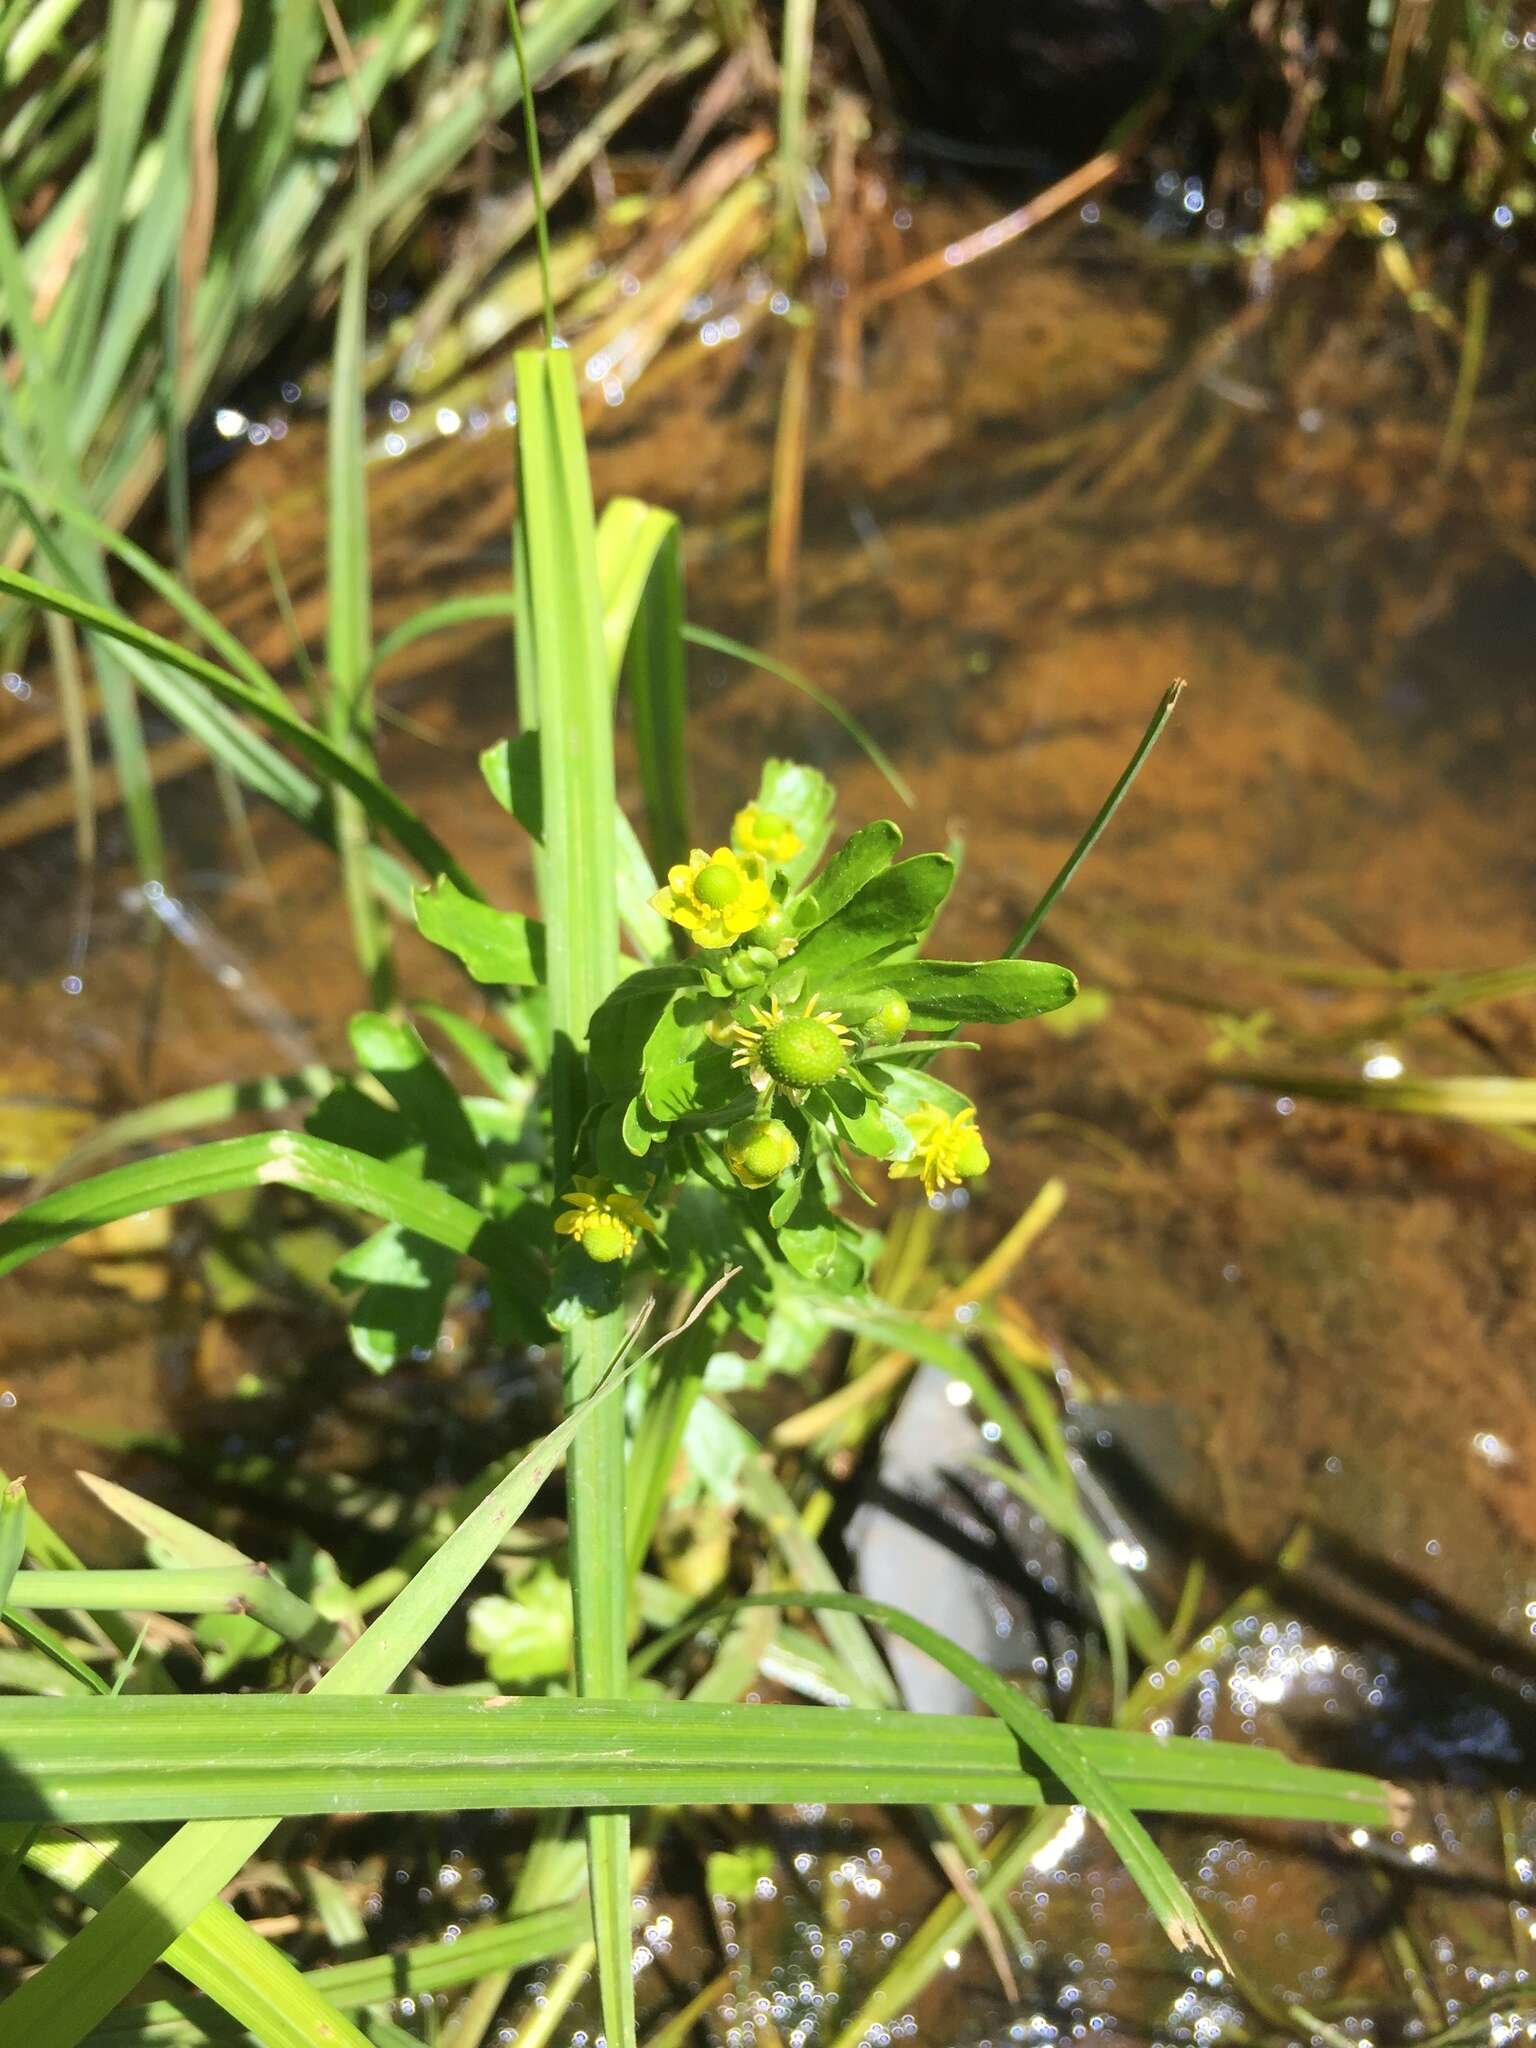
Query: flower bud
point(772, 932)
point(888, 1021)
point(741, 971)
point(759, 1149)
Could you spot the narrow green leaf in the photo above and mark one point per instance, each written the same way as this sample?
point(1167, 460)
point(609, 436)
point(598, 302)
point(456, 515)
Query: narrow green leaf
point(1101, 818)
point(441, 618)
point(349, 598)
point(381, 803)
point(720, 643)
point(242, 1975)
point(95, 1761)
point(563, 679)
point(1059, 1749)
point(655, 666)
point(108, 1956)
point(180, 1590)
point(286, 1158)
point(214, 1104)
point(13, 1535)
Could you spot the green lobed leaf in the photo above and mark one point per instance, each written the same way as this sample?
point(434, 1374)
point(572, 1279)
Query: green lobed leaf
point(806, 798)
point(499, 947)
point(858, 860)
point(943, 993)
point(683, 1071)
point(400, 1311)
point(395, 1054)
point(892, 910)
point(512, 775)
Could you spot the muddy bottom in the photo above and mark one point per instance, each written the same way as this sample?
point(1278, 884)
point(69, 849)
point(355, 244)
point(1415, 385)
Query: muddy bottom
point(1042, 504)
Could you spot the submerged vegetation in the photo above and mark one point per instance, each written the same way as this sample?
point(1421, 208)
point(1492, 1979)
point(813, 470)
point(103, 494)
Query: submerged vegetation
point(640, 1239)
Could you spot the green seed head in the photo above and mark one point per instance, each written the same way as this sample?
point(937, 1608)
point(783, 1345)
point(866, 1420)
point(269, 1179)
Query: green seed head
point(888, 1020)
point(605, 1240)
point(802, 1052)
point(972, 1157)
point(717, 886)
point(769, 825)
point(759, 1149)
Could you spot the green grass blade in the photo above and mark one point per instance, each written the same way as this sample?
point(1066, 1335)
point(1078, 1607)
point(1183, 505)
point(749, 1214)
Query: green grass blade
point(109, 1955)
point(442, 618)
point(224, 1589)
point(291, 1159)
point(49, 1551)
point(250, 1979)
point(349, 603)
point(136, 35)
point(796, 49)
point(563, 675)
point(13, 1535)
point(1106, 811)
point(535, 169)
point(655, 669)
point(47, 395)
point(166, 586)
point(380, 802)
point(721, 643)
point(192, 1110)
point(99, 1762)
point(1058, 1749)
point(1495, 1100)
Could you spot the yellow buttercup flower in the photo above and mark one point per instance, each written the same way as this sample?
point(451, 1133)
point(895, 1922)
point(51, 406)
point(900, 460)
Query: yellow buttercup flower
point(948, 1149)
point(795, 1052)
point(717, 897)
point(765, 833)
point(605, 1222)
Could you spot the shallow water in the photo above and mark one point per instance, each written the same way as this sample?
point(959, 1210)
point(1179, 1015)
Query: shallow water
point(1050, 495)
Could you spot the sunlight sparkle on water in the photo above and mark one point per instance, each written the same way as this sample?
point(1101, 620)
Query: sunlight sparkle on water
point(1063, 1842)
point(1382, 1066)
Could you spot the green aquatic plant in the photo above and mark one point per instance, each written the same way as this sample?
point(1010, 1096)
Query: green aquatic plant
point(668, 1102)
point(663, 1111)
